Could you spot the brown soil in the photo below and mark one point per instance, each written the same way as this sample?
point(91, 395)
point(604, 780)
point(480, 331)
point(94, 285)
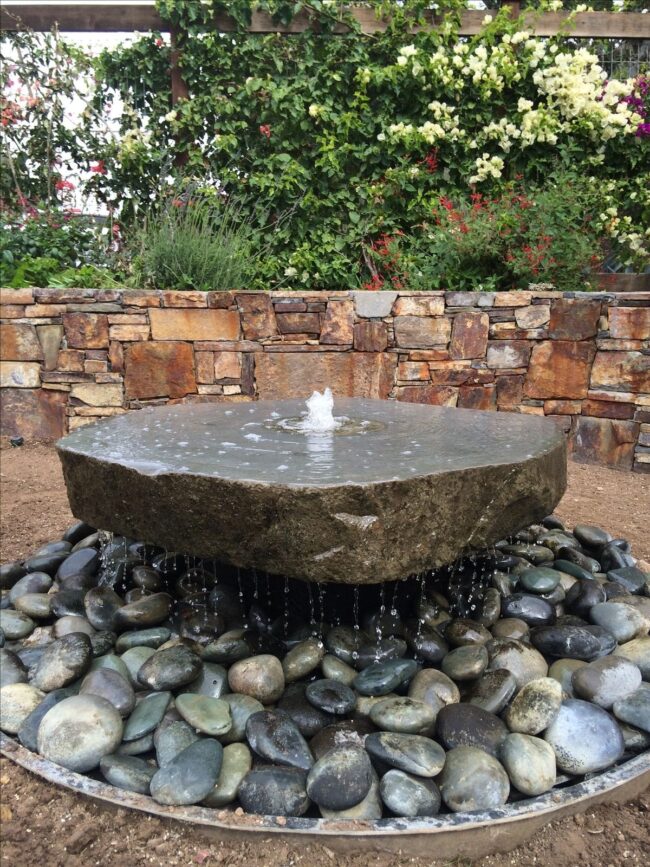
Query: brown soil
point(43, 825)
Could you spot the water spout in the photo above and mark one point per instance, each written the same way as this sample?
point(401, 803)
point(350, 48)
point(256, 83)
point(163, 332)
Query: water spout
point(320, 413)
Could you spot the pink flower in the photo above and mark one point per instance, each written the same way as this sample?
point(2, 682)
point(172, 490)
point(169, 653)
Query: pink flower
point(265, 129)
point(64, 185)
point(99, 168)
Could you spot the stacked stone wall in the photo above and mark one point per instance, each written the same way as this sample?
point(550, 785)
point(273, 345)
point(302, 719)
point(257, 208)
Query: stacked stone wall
point(71, 357)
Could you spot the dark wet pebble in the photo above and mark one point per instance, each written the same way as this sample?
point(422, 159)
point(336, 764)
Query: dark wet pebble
point(493, 690)
point(84, 561)
point(406, 795)
point(147, 579)
point(170, 740)
point(344, 642)
point(102, 643)
point(148, 611)
point(305, 715)
point(573, 569)
point(112, 686)
point(380, 678)
point(414, 754)
point(302, 659)
point(340, 779)
point(426, 643)
point(462, 633)
point(403, 714)
point(34, 582)
point(536, 554)
point(531, 609)
point(142, 638)
point(573, 555)
point(92, 540)
point(12, 669)
point(539, 580)
point(465, 663)
point(274, 736)
point(241, 708)
point(59, 547)
point(63, 661)
point(560, 642)
point(46, 563)
point(28, 731)
point(582, 596)
point(230, 647)
point(127, 772)
point(345, 733)
point(631, 578)
point(72, 623)
point(170, 668)
point(191, 776)
point(634, 709)
point(10, 573)
point(146, 715)
point(77, 531)
point(34, 605)
point(79, 581)
point(467, 725)
point(331, 696)
point(385, 650)
point(101, 604)
point(274, 791)
point(591, 536)
point(620, 619)
point(15, 625)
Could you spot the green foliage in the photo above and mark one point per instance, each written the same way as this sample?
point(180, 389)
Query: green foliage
point(194, 243)
point(85, 277)
point(32, 271)
point(485, 244)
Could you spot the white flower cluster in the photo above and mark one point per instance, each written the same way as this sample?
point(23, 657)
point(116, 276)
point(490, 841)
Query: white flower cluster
point(487, 167)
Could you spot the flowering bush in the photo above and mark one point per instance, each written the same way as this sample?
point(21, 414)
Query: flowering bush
point(508, 241)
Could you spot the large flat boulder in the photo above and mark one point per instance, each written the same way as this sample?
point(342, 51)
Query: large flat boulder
point(412, 487)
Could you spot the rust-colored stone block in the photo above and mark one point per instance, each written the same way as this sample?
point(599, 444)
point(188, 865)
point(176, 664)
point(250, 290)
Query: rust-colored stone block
point(128, 333)
point(36, 414)
point(625, 371)
point(19, 342)
point(469, 335)
point(50, 336)
point(604, 441)
point(562, 407)
point(133, 298)
point(510, 391)
point(294, 374)
point(94, 394)
point(436, 395)
point(559, 369)
point(16, 296)
point(42, 311)
point(298, 323)
point(221, 300)
point(292, 306)
point(413, 371)
point(478, 397)
point(184, 299)
point(159, 369)
point(116, 356)
point(574, 319)
point(70, 360)
point(512, 299)
point(629, 322)
point(95, 365)
point(86, 330)
point(429, 355)
point(189, 324)
point(449, 376)
point(420, 332)
point(12, 311)
point(227, 365)
point(248, 374)
point(338, 323)
point(204, 362)
point(257, 316)
point(508, 354)
point(370, 336)
point(608, 409)
point(426, 305)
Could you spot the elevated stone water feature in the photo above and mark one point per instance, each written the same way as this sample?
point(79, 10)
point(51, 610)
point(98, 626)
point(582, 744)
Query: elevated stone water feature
point(390, 490)
point(357, 621)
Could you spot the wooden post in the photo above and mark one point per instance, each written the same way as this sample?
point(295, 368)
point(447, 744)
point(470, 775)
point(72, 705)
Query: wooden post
point(179, 87)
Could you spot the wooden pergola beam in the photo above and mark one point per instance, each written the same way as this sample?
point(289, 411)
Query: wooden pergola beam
point(104, 17)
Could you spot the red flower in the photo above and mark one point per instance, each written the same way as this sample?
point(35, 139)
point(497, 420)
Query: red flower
point(159, 42)
point(64, 185)
point(431, 160)
point(265, 130)
point(99, 168)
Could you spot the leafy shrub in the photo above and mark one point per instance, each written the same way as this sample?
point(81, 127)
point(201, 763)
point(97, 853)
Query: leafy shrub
point(544, 235)
point(194, 243)
point(32, 271)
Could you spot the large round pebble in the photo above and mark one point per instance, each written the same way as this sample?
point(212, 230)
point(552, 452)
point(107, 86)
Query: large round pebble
point(529, 762)
point(79, 731)
point(584, 738)
point(473, 780)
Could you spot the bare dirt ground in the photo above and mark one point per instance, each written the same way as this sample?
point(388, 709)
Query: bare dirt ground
point(40, 824)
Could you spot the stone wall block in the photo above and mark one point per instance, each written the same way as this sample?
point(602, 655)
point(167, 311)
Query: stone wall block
point(563, 407)
point(35, 414)
point(294, 374)
point(469, 335)
point(185, 299)
point(128, 333)
point(16, 296)
point(559, 369)
point(70, 360)
point(298, 323)
point(227, 365)
point(574, 319)
point(19, 342)
point(338, 323)
point(629, 322)
point(86, 330)
point(257, 316)
point(624, 371)
point(477, 397)
point(92, 394)
point(608, 409)
point(134, 298)
point(248, 374)
point(20, 374)
point(436, 395)
point(508, 354)
point(420, 332)
point(510, 390)
point(417, 305)
point(534, 316)
point(413, 371)
point(159, 369)
point(50, 337)
point(194, 324)
point(370, 336)
point(116, 356)
point(373, 305)
point(512, 299)
point(204, 363)
point(605, 441)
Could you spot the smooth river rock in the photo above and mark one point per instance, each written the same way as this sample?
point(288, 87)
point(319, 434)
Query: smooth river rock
point(406, 795)
point(577, 754)
point(127, 772)
point(112, 686)
point(205, 713)
point(170, 668)
point(535, 706)
point(467, 725)
point(79, 731)
point(62, 662)
point(606, 680)
point(236, 763)
point(411, 753)
point(340, 779)
point(273, 735)
point(473, 780)
point(274, 791)
point(261, 677)
point(17, 701)
point(529, 762)
point(191, 776)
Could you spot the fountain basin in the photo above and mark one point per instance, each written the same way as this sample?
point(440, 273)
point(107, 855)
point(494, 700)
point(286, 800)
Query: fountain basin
point(407, 488)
